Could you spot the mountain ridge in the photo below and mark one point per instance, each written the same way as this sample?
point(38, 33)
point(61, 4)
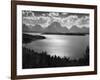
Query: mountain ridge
point(54, 27)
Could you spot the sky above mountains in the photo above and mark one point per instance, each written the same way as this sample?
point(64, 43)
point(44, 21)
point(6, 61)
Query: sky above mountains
point(44, 19)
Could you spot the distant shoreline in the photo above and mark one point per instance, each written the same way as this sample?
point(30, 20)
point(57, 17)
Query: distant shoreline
point(67, 33)
point(82, 34)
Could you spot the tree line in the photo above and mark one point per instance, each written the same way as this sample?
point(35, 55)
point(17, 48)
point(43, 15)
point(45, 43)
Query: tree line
point(33, 59)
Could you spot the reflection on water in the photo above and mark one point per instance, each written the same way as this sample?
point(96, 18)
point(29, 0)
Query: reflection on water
point(61, 45)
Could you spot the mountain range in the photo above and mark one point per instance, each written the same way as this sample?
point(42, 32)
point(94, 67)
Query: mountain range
point(75, 29)
point(55, 27)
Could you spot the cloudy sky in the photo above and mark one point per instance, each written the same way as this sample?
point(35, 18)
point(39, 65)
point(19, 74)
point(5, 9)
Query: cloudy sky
point(46, 18)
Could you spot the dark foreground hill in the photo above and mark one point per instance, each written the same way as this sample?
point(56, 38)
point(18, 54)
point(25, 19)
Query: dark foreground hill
point(28, 38)
point(32, 59)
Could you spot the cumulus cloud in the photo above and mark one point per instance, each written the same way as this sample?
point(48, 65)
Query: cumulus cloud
point(27, 13)
point(43, 14)
point(83, 21)
point(33, 20)
point(64, 13)
point(44, 19)
point(52, 14)
point(70, 21)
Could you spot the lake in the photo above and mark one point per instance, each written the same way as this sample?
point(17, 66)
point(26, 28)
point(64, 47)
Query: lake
point(73, 46)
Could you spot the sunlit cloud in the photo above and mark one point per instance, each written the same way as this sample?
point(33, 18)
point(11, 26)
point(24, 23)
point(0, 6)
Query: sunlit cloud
point(46, 18)
point(83, 21)
point(43, 15)
point(52, 14)
point(64, 13)
point(70, 21)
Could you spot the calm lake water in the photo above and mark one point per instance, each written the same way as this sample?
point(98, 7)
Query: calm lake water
point(72, 46)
